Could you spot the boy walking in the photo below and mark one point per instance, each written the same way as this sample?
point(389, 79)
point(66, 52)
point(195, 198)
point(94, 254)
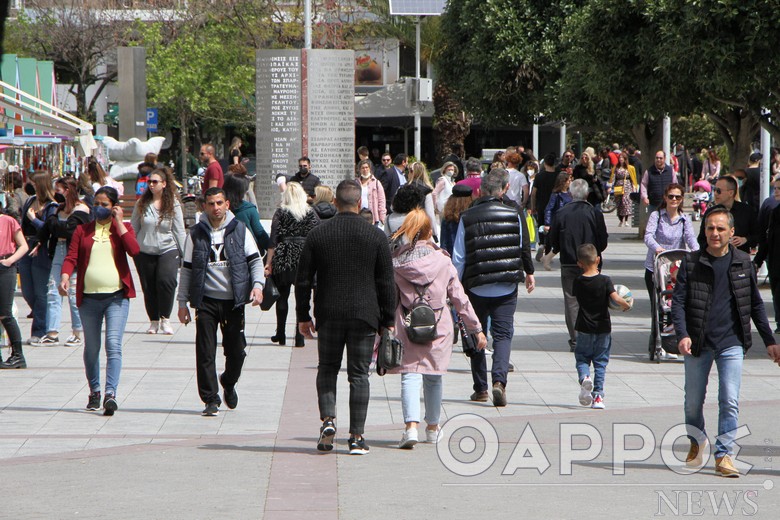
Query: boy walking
point(593, 291)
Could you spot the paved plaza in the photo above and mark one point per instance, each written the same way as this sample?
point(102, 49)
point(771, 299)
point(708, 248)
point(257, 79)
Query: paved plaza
point(159, 458)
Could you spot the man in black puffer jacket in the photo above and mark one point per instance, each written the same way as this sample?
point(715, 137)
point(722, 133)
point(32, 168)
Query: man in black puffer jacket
point(715, 297)
point(488, 254)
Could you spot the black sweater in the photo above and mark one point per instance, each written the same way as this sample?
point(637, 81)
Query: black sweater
point(354, 271)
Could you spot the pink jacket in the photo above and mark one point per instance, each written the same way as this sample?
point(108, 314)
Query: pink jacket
point(376, 200)
point(429, 264)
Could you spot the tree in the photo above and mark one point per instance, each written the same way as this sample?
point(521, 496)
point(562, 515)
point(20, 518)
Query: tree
point(79, 40)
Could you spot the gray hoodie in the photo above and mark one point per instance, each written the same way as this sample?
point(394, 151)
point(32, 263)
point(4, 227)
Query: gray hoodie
point(218, 284)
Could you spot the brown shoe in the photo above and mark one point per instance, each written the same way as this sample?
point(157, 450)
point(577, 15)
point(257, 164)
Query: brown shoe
point(499, 394)
point(725, 468)
point(480, 397)
point(695, 453)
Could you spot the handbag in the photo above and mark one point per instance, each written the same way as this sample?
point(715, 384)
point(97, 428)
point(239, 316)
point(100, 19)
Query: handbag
point(390, 353)
point(270, 294)
point(618, 190)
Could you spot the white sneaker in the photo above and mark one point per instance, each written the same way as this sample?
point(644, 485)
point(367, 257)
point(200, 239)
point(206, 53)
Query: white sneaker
point(165, 327)
point(586, 387)
point(409, 439)
point(33, 340)
point(153, 327)
point(598, 403)
point(668, 356)
point(432, 436)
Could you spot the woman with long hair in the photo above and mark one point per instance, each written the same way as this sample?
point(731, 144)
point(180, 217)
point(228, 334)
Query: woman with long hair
point(159, 223)
point(443, 189)
point(586, 170)
point(234, 152)
point(34, 270)
point(239, 170)
point(98, 253)
point(373, 194)
point(623, 181)
point(289, 227)
point(99, 177)
point(235, 189)
point(711, 168)
point(12, 248)
point(667, 228)
point(420, 267)
point(459, 201)
point(56, 234)
point(559, 198)
point(418, 176)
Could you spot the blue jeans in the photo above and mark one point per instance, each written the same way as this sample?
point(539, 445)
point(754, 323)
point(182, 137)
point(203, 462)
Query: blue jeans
point(410, 396)
point(93, 310)
point(697, 371)
point(34, 273)
point(500, 311)
point(593, 348)
point(53, 298)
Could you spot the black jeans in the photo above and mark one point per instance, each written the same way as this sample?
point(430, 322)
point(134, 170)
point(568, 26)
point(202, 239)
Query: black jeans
point(158, 275)
point(774, 283)
point(7, 288)
point(358, 336)
point(210, 315)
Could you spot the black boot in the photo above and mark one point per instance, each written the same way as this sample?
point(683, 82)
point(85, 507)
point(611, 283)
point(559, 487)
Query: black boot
point(280, 337)
point(299, 339)
point(16, 360)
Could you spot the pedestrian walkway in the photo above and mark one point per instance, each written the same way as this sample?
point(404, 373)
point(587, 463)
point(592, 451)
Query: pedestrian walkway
point(159, 458)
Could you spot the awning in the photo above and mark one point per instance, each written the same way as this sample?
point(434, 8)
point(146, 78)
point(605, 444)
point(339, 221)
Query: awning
point(37, 114)
point(388, 108)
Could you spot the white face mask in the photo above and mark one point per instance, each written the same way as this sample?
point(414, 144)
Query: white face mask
point(365, 175)
point(530, 171)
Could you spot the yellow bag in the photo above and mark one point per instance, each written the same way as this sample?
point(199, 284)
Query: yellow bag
point(618, 190)
point(530, 223)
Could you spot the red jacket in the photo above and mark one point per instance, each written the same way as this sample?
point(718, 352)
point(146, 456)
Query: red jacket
point(81, 248)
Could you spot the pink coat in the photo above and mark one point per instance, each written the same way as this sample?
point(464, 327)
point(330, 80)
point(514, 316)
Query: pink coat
point(429, 264)
point(376, 200)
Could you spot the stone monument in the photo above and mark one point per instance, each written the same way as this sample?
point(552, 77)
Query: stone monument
point(305, 106)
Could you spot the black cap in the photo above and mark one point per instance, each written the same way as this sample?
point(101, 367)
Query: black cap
point(755, 157)
point(461, 190)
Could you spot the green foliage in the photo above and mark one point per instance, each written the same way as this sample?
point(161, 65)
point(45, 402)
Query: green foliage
point(694, 131)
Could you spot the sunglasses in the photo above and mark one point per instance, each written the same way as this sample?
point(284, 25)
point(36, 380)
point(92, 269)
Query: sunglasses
point(720, 190)
point(154, 182)
point(674, 197)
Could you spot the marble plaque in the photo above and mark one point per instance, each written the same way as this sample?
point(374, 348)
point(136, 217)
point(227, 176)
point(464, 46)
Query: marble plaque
point(279, 120)
point(330, 114)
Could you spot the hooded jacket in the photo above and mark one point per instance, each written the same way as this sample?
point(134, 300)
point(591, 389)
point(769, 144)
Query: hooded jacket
point(222, 263)
point(423, 265)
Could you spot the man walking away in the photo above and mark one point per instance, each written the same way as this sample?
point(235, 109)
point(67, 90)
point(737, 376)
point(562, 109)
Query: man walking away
point(355, 298)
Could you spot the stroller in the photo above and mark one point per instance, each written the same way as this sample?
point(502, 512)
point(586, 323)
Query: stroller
point(662, 335)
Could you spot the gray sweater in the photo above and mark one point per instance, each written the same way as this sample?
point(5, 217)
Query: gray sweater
point(156, 237)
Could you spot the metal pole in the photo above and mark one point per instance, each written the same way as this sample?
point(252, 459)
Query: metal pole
point(307, 24)
point(766, 151)
point(667, 139)
point(417, 122)
point(562, 147)
point(535, 141)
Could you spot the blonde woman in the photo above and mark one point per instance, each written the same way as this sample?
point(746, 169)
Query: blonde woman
point(289, 227)
point(323, 202)
point(234, 152)
point(418, 177)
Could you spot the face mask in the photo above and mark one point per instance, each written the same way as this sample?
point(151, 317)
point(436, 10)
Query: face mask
point(102, 213)
point(740, 182)
point(365, 175)
point(29, 189)
point(303, 170)
point(530, 171)
point(59, 198)
point(448, 173)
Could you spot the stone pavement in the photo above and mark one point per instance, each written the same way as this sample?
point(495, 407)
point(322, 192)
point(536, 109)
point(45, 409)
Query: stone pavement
point(158, 458)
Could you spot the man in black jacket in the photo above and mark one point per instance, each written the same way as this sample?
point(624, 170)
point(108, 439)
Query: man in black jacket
point(355, 298)
point(717, 283)
point(575, 224)
point(392, 178)
point(305, 178)
point(746, 230)
point(490, 259)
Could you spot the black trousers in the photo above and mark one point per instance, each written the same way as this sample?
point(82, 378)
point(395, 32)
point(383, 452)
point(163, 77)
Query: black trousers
point(7, 288)
point(210, 315)
point(158, 275)
point(358, 337)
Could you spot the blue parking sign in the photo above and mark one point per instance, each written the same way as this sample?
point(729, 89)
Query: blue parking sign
point(151, 119)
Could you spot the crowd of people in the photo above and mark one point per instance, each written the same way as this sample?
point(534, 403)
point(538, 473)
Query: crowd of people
point(394, 238)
